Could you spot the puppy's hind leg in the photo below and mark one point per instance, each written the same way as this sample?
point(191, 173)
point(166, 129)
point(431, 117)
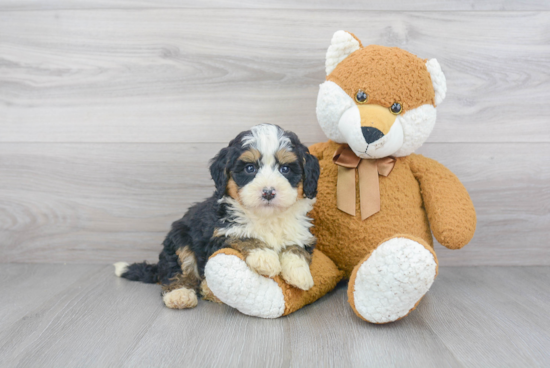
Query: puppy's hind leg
point(181, 290)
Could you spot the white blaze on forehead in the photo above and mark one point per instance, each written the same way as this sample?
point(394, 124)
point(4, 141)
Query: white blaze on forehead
point(267, 139)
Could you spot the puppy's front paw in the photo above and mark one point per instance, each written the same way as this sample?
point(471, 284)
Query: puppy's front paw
point(295, 271)
point(264, 261)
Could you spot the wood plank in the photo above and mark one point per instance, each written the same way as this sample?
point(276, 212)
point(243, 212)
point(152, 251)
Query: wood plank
point(389, 5)
point(347, 341)
point(88, 324)
point(36, 283)
point(491, 305)
point(109, 202)
point(190, 75)
point(212, 335)
point(471, 317)
point(98, 202)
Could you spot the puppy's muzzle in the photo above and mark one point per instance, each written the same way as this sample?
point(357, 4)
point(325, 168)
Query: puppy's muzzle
point(268, 194)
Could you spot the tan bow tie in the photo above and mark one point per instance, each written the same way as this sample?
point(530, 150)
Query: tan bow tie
point(369, 186)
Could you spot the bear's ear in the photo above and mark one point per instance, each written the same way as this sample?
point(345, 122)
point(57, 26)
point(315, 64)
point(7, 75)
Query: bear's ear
point(438, 80)
point(341, 46)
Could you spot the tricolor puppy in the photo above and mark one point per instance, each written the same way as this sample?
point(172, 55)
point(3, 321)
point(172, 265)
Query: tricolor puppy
point(266, 183)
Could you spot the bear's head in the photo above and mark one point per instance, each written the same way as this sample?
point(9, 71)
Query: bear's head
point(379, 100)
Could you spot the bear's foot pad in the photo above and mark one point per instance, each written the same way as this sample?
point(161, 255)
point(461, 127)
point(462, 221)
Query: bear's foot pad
point(391, 282)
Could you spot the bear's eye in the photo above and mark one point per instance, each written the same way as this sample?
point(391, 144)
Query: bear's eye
point(361, 97)
point(396, 108)
point(250, 169)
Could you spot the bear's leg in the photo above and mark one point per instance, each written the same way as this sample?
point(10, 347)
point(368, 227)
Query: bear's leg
point(235, 284)
point(390, 281)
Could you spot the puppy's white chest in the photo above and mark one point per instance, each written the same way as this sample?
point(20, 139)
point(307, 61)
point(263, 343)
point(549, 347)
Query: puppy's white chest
point(279, 233)
point(278, 230)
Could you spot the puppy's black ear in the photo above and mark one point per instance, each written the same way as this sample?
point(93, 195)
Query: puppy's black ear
point(219, 172)
point(311, 175)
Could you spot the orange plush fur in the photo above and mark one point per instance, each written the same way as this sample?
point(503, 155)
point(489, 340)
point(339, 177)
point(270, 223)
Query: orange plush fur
point(418, 193)
point(390, 75)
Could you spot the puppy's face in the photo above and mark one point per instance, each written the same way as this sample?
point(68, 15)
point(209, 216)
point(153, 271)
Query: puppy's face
point(265, 169)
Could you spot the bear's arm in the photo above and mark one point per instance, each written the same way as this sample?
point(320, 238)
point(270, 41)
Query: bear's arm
point(450, 210)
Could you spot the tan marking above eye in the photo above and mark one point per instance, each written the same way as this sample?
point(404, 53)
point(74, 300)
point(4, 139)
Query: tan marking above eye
point(252, 155)
point(285, 157)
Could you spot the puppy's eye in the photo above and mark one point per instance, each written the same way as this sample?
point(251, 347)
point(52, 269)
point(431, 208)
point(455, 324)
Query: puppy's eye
point(396, 108)
point(250, 168)
point(361, 97)
point(284, 169)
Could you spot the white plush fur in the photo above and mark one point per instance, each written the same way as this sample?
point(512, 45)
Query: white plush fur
point(120, 268)
point(332, 102)
point(438, 80)
point(341, 46)
point(350, 130)
point(280, 229)
point(238, 286)
point(340, 120)
point(388, 144)
point(393, 279)
point(417, 126)
point(295, 271)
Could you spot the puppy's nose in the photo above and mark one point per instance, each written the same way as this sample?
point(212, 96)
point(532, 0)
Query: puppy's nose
point(371, 134)
point(268, 194)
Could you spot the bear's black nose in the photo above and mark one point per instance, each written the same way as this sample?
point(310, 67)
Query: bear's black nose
point(371, 134)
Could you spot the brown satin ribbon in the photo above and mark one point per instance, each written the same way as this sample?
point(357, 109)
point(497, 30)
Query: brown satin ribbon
point(369, 186)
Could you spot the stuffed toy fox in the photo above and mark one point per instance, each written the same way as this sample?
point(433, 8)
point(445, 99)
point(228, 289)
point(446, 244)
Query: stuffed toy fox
point(378, 203)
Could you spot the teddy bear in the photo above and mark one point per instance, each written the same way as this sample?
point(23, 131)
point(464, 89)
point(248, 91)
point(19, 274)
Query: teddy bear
point(378, 202)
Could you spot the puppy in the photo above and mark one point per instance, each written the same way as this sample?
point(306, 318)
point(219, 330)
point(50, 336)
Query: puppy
point(266, 183)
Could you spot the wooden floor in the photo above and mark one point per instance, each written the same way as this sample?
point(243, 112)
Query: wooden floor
point(83, 316)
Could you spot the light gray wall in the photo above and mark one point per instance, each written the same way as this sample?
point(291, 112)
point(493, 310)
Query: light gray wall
point(110, 110)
